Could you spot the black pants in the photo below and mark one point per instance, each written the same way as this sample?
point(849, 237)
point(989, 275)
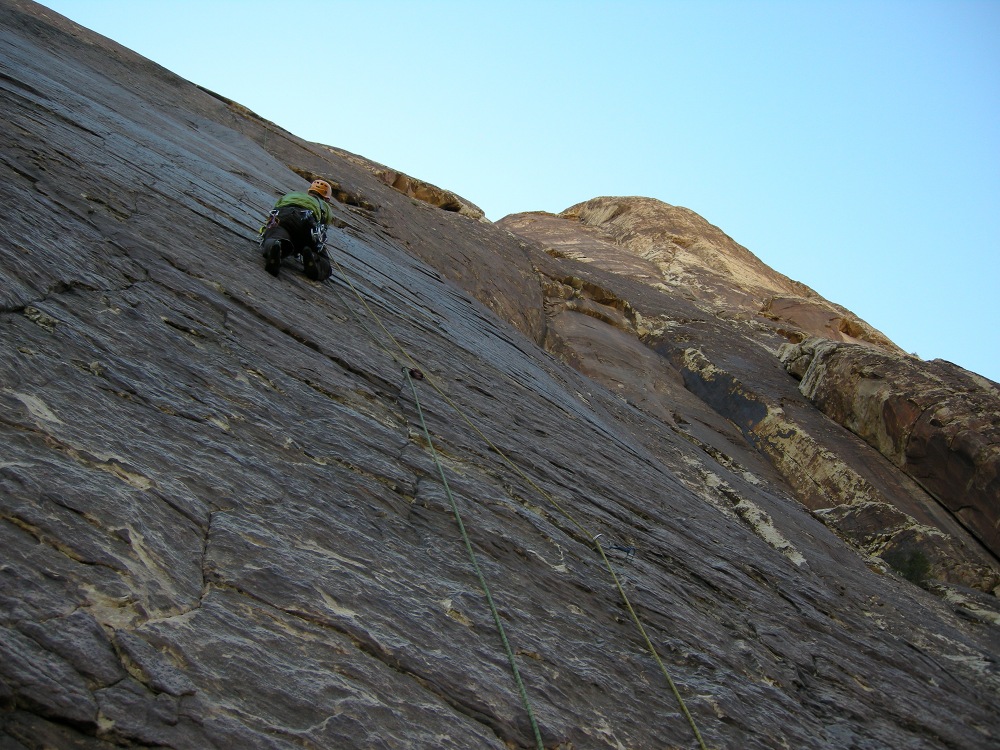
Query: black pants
point(293, 229)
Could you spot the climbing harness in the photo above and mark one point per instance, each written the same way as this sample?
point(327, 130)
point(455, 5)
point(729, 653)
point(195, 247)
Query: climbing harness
point(317, 234)
point(415, 373)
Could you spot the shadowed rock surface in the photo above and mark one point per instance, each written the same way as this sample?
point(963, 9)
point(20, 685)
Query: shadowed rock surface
point(222, 525)
point(937, 422)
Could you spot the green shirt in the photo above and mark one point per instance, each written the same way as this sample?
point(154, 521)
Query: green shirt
point(321, 210)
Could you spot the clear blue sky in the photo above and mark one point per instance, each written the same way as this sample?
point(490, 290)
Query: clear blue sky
point(853, 146)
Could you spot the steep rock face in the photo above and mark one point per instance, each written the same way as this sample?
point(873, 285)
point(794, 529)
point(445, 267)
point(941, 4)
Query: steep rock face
point(222, 523)
point(635, 280)
point(937, 422)
point(673, 249)
point(414, 188)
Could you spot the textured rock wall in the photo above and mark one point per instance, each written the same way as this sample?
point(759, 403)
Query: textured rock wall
point(937, 422)
point(221, 524)
point(648, 278)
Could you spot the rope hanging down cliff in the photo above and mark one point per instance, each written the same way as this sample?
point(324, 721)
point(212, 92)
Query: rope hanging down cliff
point(475, 566)
point(412, 363)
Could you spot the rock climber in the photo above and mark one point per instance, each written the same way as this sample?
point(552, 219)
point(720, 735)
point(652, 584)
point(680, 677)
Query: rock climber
point(297, 226)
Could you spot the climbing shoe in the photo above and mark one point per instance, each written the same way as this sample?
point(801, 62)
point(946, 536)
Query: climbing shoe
point(315, 264)
point(309, 264)
point(272, 258)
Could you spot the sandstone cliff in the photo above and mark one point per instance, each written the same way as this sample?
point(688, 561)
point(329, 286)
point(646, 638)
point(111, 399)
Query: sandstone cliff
point(222, 523)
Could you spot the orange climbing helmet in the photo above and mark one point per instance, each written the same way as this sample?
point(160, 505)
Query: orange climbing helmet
point(321, 188)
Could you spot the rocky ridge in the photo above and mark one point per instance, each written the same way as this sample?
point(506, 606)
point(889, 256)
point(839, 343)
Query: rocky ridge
point(223, 524)
point(659, 277)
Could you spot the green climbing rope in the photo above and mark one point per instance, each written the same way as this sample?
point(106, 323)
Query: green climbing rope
point(475, 566)
point(517, 469)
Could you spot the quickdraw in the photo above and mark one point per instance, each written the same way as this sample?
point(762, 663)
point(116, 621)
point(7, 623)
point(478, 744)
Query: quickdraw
point(272, 222)
point(318, 234)
point(629, 550)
